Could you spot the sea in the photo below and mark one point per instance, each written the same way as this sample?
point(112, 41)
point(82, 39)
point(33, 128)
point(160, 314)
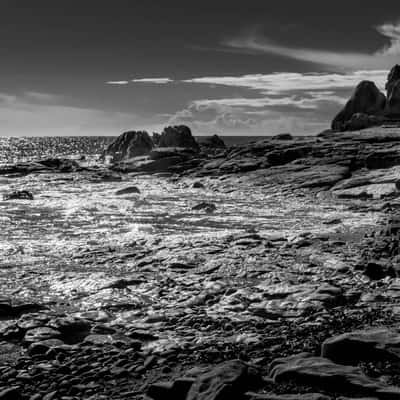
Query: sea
point(71, 213)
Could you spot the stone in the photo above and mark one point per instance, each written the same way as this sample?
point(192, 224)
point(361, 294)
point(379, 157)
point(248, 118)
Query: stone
point(376, 270)
point(178, 136)
point(206, 207)
point(128, 190)
point(283, 136)
point(224, 382)
point(366, 99)
point(305, 396)
point(363, 345)
point(130, 144)
point(213, 142)
point(393, 92)
point(12, 393)
point(18, 195)
point(44, 346)
point(306, 369)
point(40, 334)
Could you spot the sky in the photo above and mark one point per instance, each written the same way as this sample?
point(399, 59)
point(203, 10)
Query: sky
point(221, 67)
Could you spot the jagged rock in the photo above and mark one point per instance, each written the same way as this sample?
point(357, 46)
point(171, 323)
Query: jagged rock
point(178, 136)
point(393, 100)
point(306, 369)
point(364, 345)
point(130, 144)
point(128, 190)
point(361, 121)
point(18, 195)
point(226, 381)
point(156, 138)
point(393, 76)
point(60, 164)
point(40, 334)
point(366, 99)
point(207, 207)
point(213, 142)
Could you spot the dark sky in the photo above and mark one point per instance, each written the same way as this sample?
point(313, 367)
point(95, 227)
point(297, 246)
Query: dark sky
point(67, 66)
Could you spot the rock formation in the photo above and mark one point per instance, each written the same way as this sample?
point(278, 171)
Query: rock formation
point(178, 136)
point(368, 106)
point(213, 142)
point(130, 144)
point(393, 93)
point(367, 100)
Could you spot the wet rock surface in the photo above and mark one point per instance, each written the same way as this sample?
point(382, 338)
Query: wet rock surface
point(213, 281)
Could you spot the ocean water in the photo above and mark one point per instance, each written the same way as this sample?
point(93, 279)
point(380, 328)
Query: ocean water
point(71, 213)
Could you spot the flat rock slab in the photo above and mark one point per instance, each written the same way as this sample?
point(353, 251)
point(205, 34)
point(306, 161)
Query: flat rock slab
point(364, 345)
point(306, 369)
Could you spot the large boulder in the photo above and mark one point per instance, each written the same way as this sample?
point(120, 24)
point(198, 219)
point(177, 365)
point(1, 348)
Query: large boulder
point(178, 136)
point(366, 99)
point(393, 77)
point(393, 98)
point(130, 144)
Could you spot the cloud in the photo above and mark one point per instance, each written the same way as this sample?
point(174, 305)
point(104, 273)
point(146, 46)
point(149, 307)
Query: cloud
point(38, 114)
point(381, 58)
point(392, 32)
point(158, 81)
point(279, 82)
point(121, 83)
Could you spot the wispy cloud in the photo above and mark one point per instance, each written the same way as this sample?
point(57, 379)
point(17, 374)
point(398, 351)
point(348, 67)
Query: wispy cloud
point(381, 58)
point(283, 81)
point(117, 82)
point(157, 81)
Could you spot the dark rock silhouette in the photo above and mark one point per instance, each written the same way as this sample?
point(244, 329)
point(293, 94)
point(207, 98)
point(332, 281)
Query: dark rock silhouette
point(367, 99)
point(130, 144)
point(178, 136)
point(213, 142)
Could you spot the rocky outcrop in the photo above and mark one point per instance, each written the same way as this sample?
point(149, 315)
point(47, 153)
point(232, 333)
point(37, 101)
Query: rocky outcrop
point(368, 100)
point(128, 145)
point(213, 142)
point(393, 93)
point(178, 136)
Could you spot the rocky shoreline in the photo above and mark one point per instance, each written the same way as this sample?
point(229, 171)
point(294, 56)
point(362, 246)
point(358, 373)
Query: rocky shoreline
point(311, 315)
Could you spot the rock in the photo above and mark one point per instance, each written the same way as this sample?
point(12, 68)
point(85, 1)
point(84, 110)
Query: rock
point(361, 121)
point(376, 270)
point(283, 136)
point(60, 164)
point(18, 195)
point(382, 159)
point(128, 190)
point(226, 381)
point(206, 207)
point(114, 340)
point(130, 144)
point(393, 92)
point(156, 138)
point(213, 142)
point(320, 372)
point(305, 396)
point(364, 345)
point(393, 101)
point(366, 99)
point(40, 334)
point(12, 393)
point(44, 346)
point(198, 185)
point(178, 136)
point(72, 329)
point(176, 390)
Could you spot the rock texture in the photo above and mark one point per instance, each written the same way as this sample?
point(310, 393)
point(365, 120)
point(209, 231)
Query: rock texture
point(367, 100)
point(178, 136)
point(128, 145)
